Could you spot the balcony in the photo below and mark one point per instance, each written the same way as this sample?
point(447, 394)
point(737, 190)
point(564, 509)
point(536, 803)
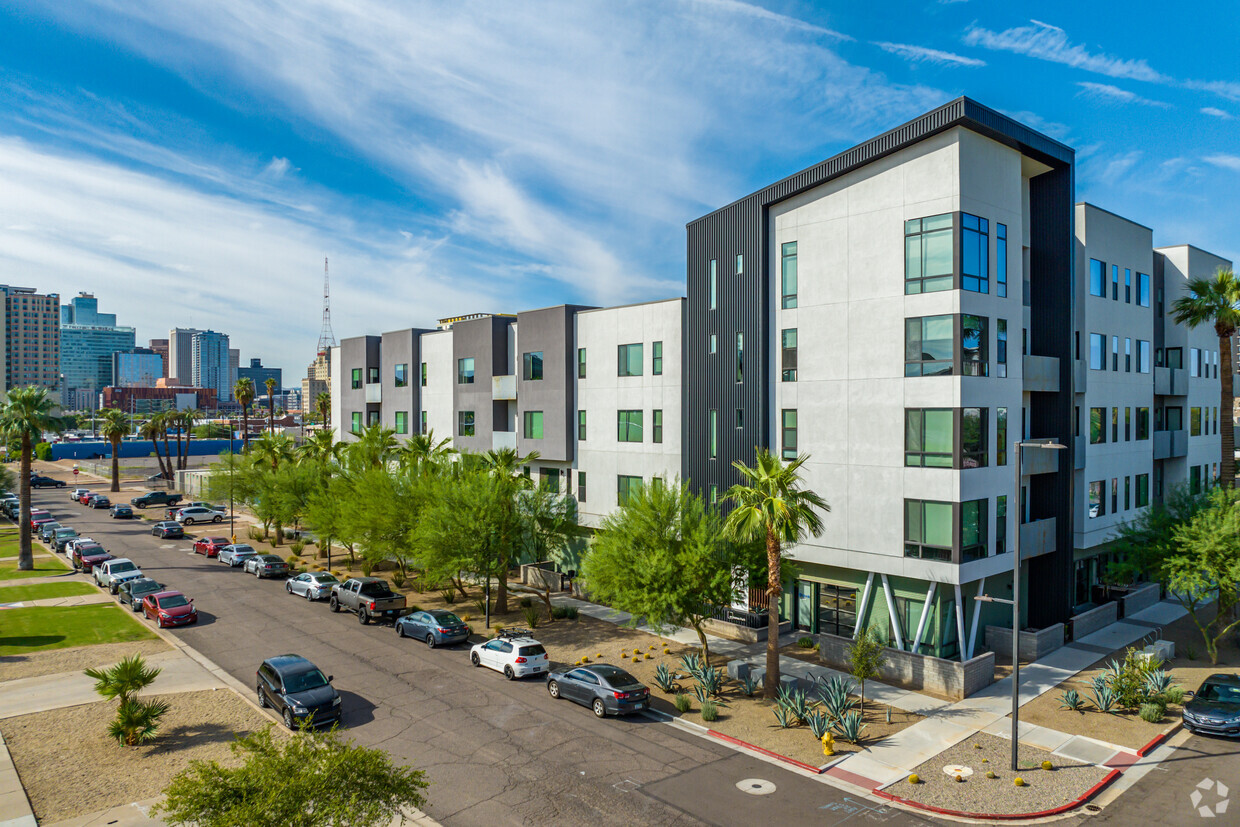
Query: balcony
point(1037, 538)
point(1039, 461)
point(503, 439)
point(1170, 444)
point(503, 388)
point(1080, 376)
point(1170, 382)
point(1041, 374)
point(374, 393)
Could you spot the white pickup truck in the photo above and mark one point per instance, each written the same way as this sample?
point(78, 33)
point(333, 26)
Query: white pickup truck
point(111, 574)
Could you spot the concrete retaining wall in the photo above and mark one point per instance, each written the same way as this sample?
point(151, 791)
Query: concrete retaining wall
point(1141, 598)
point(1086, 623)
point(744, 634)
point(947, 677)
point(541, 576)
point(1033, 645)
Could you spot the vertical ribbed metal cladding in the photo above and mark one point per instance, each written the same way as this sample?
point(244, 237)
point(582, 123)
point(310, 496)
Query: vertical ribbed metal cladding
point(1051, 261)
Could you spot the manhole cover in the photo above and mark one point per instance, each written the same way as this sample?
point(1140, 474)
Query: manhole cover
point(958, 769)
point(755, 786)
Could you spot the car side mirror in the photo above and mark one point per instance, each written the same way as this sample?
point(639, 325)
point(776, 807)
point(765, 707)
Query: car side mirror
point(331, 678)
point(191, 600)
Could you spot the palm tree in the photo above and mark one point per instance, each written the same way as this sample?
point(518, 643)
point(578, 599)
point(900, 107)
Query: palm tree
point(771, 506)
point(244, 392)
point(1216, 301)
point(136, 721)
point(115, 428)
point(423, 453)
point(323, 403)
point(320, 446)
point(188, 417)
point(375, 446)
point(504, 468)
point(273, 449)
point(271, 403)
point(150, 430)
point(26, 415)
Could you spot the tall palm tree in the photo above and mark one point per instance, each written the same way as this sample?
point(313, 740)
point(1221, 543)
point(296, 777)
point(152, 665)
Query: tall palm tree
point(271, 402)
point(423, 453)
point(167, 419)
point(323, 403)
point(375, 446)
point(115, 428)
point(320, 446)
point(1216, 301)
point(771, 506)
point(244, 392)
point(151, 430)
point(27, 414)
point(504, 468)
point(188, 417)
point(273, 449)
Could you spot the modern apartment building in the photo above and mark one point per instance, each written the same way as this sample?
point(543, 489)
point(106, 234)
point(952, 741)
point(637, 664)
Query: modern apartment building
point(901, 313)
point(31, 323)
point(137, 368)
point(88, 341)
point(210, 363)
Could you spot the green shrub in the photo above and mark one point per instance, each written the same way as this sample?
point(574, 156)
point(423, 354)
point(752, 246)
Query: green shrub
point(1190, 653)
point(297, 546)
point(367, 568)
point(43, 451)
point(398, 580)
point(532, 616)
point(525, 602)
point(682, 702)
point(1175, 695)
point(1151, 713)
point(254, 533)
point(448, 595)
point(293, 560)
point(570, 612)
point(710, 711)
point(805, 642)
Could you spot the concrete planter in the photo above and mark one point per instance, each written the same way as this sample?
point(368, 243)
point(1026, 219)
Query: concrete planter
point(1033, 645)
point(1086, 623)
point(948, 677)
point(1141, 597)
point(737, 632)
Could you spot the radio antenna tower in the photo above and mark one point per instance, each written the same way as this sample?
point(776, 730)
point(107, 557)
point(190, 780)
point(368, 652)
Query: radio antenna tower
point(327, 339)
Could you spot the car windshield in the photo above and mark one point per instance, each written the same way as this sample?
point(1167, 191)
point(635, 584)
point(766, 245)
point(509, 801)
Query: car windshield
point(375, 589)
point(270, 558)
point(243, 549)
point(532, 650)
point(302, 681)
point(174, 601)
point(144, 587)
point(119, 567)
point(1219, 693)
point(88, 551)
point(215, 541)
point(324, 578)
point(446, 618)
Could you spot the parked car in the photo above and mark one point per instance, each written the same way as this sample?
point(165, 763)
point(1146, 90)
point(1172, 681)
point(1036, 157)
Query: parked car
point(606, 689)
point(46, 530)
point(297, 690)
point(210, 546)
point(76, 494)
point(88, 555)
point(100, 501)
point(436, 628)
point(62, 537)
point(367, 596)
point(197, 514)
point(155, 498)
point(169, 608)
point(72, 545)
point(236, 554)
point(110, 574)
point(513, 653)
point(38, 516)
point(120, 511)
point(265, 565)
point(312, 585)
point(131, 593)
point(45, 482)
point(1215, 707)
point(11, 507)
point(168, 530)
point(171, 513)
point(85, 498)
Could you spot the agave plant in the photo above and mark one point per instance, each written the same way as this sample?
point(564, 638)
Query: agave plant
point(835, 696)
point(785, 718)
point(137, 721)
point(849, 727)
point(664, 678)
point(796, 701)
point(692, 663)
point(1071, 700)
point(711, 680)
point(1103, 698)
point(818, 723)
point(1156, 682)
point(749, 685)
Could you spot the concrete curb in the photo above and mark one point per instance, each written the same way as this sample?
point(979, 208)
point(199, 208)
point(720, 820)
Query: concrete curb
point(1153, 744)
point(1062, 808)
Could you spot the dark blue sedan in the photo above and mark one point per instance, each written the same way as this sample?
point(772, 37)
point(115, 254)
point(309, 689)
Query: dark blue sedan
point(435, 628)
point(606, 689)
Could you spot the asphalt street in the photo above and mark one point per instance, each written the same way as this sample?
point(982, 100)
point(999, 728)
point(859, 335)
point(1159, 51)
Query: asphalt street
point(494, 752)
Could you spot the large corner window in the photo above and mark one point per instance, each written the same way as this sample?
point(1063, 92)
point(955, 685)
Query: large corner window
point(1097, 278)
point(629, 360)
point(465, 371)
point(532, 425)
point(928, 530)
point(928, 258)
point(788, 433)
point(928, 437)
point(532, 366)
point(947, 345)
point(974, 253)
point(628, 426)
point(1001, 260)
point(465, 423)
point(788, 355)
point(788, 275)
point(626, 487)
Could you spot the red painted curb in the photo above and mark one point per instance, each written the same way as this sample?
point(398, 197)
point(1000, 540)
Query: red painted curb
point(767, 752)
point(1063, 808)
point(1150, 746)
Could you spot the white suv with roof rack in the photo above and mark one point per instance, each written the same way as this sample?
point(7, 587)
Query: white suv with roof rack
point(513, 652)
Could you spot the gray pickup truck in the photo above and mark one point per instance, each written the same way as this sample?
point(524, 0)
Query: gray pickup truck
point(368, 597)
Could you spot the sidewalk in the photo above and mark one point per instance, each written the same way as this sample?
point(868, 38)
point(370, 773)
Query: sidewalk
point(72, 600)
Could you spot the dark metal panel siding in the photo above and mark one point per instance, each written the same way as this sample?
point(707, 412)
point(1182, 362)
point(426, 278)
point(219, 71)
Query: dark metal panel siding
point(1051, 262)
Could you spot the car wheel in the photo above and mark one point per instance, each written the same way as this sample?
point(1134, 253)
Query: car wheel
point(308, 597)
point(262, 699)
point(288, 718)
point(362, 617)
point(112, 589)
point(217, 519)
point(159, 621)
point(553, 689)
point(288, 587)
point(189, 521)
point(599, 710)
point(473, 658)
point(400, 629)
point(334, 605)
point(430, 641)
point(509, 674)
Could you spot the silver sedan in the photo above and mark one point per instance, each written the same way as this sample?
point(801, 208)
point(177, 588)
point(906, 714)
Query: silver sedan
point(312, 585)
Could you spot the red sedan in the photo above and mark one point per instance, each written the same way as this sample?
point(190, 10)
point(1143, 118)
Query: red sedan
point(85, 498)
point(169, 608)
point(210, 546)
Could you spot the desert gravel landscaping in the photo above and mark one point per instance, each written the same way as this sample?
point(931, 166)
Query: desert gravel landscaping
point(56, 661)
point(70, 767)
point(1045, 790)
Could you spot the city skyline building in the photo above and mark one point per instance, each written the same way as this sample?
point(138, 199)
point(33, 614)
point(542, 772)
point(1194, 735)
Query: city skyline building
point(31, 342)
point(181, 353)
point(88, 340)
point(210, 363)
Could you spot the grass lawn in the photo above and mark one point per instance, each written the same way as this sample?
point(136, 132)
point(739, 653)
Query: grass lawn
point(44, 565)
point(40, 628)
point(43, 591)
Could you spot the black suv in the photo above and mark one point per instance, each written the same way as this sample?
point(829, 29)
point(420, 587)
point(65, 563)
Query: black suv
point(298, 690)
point(45, 482)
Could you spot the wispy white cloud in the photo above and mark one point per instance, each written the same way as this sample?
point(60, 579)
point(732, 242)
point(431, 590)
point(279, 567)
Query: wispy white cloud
point(922, 54)
point(1225, 161)
point(277, 168)
point(1107, 92)
point(1047, 42)
point(1216, 113)
point(1228, 89)
point(1111, 170)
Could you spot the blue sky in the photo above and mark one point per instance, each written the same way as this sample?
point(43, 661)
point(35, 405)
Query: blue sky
point(192, 163)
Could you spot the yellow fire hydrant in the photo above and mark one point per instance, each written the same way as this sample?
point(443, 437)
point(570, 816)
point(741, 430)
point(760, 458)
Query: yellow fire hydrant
point(828, 744)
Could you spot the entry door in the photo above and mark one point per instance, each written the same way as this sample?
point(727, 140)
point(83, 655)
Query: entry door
point(804, 613)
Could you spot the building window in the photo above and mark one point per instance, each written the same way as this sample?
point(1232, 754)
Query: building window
point(973, 438)
point(1127, 492)
point(714, 284)
point(1127, 286)
point(1000, 524)
point(656, 358)
point(372, 417)
point(1114, 495)
point(1194, 479)
point(628, 426)
point(740, 264)
point(974, 346)
point(402, 422)
point(713, 433)
point(372, 376)
point(1115, 282)
point(549, 480)
point(1001, 436)
point(1115, 354)
point(713, 343)
point(928, 346)
point(788, 355)
point(1143, 289)
point(656, 425)
point(1175, 418)
point(629, 360)
point(1001, 260)
point(581, 486)
point(740, 417)
point(740, 357)
point(1127, 355)
point(1097, 278)
point(424, 374)
point(1142, 490)
point(788, 433)
point(532, 425)
point(1194, 421)
point(1097, 351)
point(402, 375)
point(532, 366)
point(581, 426)
point(1175, 358)
point(712, 494)
point(1001, 343)
point(788, 275)
point(1143, 356)
point(1097, 426)
point(465, 371)
point(1127, 424)
point(928, 530)
point(928, 437)
point(465, 423)
point(1097, 498)
point(928, 256)
point(1115, 424)
point(423, 423)
point(974, 254)
point(973, 529)
point(356, 378)
point(627, 487)
point(1143, 423)
point(355, 423)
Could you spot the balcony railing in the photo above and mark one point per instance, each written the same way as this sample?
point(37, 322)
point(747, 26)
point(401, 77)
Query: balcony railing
point(1039, 461)
point(1041, 374)
point(1170, 381)
point(503, 439)
point(1170, 444)
point(374, 393)
point(1038, 537)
